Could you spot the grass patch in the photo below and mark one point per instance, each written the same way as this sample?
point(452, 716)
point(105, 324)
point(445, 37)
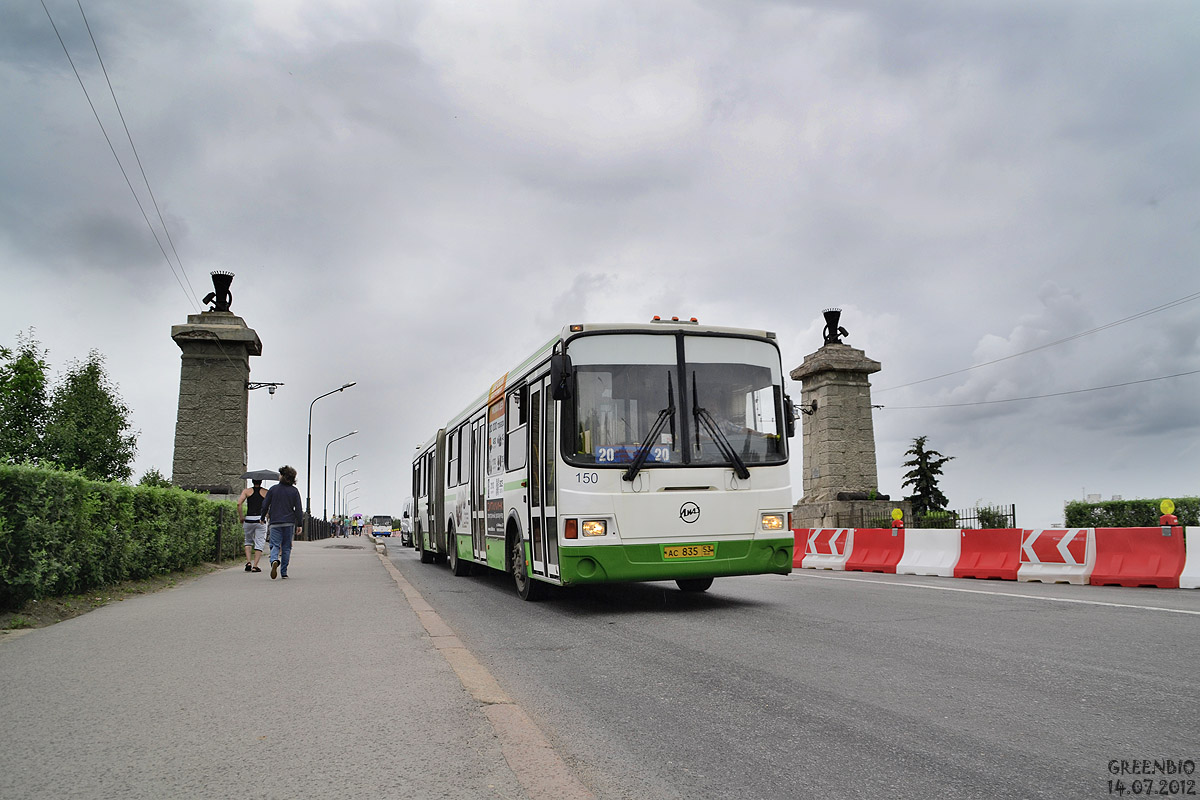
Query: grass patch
point(49, 610)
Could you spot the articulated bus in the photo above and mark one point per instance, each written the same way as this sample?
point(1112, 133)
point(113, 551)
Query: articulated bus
point(633, 452)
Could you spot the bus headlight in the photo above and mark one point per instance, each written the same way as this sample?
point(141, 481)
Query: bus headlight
point(594, 527)
point(772, 522)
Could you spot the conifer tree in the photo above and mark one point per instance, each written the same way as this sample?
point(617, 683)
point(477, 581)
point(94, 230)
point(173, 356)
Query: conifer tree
point(923, 477)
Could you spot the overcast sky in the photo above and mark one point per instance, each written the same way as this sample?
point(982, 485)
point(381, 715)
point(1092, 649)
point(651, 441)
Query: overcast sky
point(415, 195)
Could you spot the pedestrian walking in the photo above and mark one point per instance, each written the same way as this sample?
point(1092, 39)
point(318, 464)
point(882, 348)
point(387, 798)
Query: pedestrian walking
point(254, 530)
point(284, 512)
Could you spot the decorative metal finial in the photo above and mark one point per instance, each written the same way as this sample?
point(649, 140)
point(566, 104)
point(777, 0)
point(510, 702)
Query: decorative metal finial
point(833, 333)
point(221, 297)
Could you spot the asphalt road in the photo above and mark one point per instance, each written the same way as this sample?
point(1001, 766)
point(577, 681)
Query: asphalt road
point(843, 684)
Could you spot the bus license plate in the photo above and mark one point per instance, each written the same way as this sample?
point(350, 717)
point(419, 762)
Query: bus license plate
point(689, 551)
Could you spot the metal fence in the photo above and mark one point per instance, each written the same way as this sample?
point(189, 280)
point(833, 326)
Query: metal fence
point(315, 529)
point(985, 517)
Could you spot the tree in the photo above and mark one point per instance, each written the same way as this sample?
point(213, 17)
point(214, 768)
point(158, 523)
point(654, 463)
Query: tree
point(152, 477)
point(23, 408)
point(88, 424)
point(923, 477)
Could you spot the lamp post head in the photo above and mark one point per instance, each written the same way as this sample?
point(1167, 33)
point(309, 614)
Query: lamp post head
point(347, 385)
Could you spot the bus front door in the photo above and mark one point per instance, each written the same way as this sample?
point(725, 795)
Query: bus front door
point(543, 521)
point(478, 507)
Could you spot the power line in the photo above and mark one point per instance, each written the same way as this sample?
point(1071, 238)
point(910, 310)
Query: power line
point(133, 147)
point(1073, 337)
point(1052, 394)
point(128, 183)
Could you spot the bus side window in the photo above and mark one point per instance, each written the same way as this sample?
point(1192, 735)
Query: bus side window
point(517, 416)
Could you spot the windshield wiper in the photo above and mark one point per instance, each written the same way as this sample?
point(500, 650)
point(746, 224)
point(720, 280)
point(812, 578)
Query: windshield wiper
point(667, 413)
point(702, 416)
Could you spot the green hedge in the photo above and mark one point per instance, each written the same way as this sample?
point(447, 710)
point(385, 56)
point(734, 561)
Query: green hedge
point(61, 533)
point(1129, 513)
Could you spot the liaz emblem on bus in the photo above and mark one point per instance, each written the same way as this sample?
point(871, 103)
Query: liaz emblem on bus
point(689, 551)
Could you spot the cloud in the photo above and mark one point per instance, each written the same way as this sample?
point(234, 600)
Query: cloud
point(417, 196)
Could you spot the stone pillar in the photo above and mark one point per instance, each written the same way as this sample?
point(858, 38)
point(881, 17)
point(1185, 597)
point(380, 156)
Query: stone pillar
point(211, 425)
point(839, 437)
point(840, 474)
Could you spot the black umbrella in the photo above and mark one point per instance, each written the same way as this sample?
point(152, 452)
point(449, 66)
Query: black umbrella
point(262, 475)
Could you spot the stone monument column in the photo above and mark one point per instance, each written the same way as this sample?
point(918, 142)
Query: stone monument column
point(841, 479)
point(214, 388)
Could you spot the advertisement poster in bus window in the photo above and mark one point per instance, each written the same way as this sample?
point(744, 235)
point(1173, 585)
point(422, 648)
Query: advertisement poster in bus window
point(495, 467)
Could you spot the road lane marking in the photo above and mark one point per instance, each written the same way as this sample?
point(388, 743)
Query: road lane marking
point(531, 757)
point(997, 594)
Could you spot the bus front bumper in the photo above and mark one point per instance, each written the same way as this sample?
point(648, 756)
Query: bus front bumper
point(652, 562)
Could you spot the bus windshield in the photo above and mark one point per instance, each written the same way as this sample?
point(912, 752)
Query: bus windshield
point(715, 401)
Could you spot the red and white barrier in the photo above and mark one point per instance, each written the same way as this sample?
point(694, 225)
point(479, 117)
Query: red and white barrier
point(1190, 577)
point(1138, 557)
point(930, 552)
point(1058, 555)
point(799, 545)
point(876, 550)
point(990, 554)
point(828, 548)
point(1106, 556)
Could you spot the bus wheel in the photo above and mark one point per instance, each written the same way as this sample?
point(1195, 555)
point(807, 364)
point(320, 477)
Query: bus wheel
point(694, 584)
point(426, 555)
point(458, 567)
point(527, 587)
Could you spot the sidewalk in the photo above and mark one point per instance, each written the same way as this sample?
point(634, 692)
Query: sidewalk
point(236, 685)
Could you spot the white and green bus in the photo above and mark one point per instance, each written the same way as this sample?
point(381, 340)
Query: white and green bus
point(635, 452)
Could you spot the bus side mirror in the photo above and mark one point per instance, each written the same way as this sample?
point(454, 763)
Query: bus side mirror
point(560, 376)
point(789, 416)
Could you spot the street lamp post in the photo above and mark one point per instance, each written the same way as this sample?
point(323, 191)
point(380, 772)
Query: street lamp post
point(335, 469)
point(346, 486)
point(347, 497)
point(325, 479)
point(351, 498)
point(335, 502)
point(308, 498)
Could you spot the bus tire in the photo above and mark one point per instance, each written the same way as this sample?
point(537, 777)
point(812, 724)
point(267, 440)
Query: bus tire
point(458, 567)
point(694, 584)
point(426, 555)
point(527, 587)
